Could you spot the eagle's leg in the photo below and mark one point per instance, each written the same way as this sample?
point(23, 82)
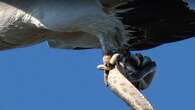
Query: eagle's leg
point(110, 49)
point(136, 68)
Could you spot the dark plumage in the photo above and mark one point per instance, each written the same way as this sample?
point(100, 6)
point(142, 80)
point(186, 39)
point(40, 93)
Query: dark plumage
point(157, 22)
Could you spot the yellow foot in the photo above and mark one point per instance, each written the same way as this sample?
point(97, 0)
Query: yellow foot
point(108, 64)
point(109, 61)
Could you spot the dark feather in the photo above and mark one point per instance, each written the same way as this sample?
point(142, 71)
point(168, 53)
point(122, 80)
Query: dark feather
point(157, 22)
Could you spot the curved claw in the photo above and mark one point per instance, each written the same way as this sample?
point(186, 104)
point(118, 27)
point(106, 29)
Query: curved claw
point(114, 58)
point(103, 67)
point(109, 62)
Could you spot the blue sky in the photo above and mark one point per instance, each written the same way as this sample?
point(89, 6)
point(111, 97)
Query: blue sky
point(41, 78)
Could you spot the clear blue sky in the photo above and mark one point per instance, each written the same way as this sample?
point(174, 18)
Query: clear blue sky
point(40, 78)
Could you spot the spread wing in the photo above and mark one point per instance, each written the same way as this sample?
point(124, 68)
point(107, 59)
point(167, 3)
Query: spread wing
point(150, 22)
point(155, 22)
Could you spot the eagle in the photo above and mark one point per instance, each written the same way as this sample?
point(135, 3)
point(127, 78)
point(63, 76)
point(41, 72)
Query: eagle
point(115, 26)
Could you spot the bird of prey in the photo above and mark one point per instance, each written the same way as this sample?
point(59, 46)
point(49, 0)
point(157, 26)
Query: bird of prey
point(115, 26)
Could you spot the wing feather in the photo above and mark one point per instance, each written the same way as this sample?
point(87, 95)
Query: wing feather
point(112, 3)
point(156, 22)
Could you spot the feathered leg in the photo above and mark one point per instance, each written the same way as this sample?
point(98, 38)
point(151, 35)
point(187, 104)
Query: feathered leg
point(108, 51)
point(136, 68)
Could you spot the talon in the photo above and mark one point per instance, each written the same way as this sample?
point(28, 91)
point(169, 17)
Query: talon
point(103, 67)
point(106, 59)
point(106, 70)
point(108, 64)
point(114, 58)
